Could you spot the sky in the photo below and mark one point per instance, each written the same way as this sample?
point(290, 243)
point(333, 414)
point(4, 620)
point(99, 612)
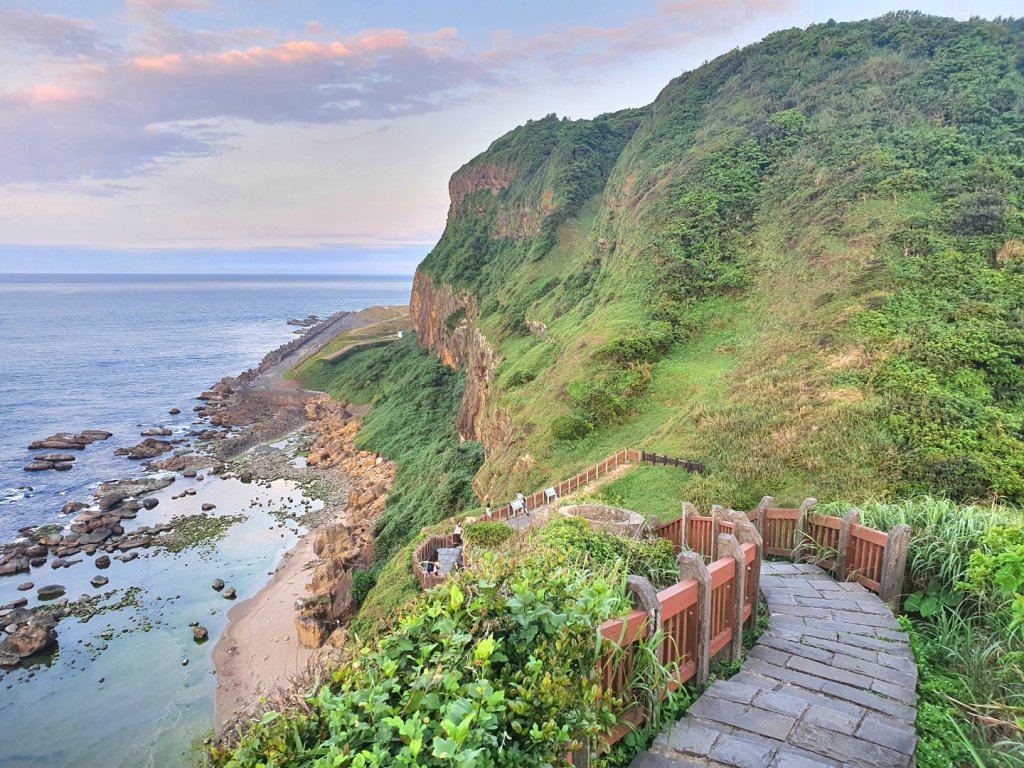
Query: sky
point(307, 136)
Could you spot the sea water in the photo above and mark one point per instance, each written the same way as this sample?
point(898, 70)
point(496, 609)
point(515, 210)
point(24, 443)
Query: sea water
point(130, 687)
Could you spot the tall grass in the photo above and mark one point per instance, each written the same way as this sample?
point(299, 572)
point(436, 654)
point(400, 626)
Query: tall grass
point(943, 534)
point(970, 656)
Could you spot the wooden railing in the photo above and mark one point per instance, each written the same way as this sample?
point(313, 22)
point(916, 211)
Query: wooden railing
point(588, 475)
point(698, 618)
point(426, 551)
point(851, 551)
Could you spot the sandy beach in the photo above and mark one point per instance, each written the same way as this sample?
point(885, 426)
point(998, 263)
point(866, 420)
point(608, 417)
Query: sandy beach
point(259, 651)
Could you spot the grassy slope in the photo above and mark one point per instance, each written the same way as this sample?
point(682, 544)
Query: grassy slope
point(790, 210)
point(415, 399)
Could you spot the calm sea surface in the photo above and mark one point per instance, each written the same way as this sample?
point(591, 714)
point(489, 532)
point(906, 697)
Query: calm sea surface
point(116, 352)
point(128, 686)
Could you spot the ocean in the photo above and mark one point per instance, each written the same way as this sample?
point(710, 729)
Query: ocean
point(116, 352)
point(128, 685)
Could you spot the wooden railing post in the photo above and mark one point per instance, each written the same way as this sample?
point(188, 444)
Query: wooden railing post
point(689, 511)
point(746, 533)
point(645, 597)
point(762, 510)
point(717, 513)
point(801, 530)
point(850, 518)
point(691, 566)
point(728, 546)
point(894, 563)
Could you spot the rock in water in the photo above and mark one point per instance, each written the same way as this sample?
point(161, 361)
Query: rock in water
point(200, 634)
point(38, 466)
point(229, 593)
point(156, 432)
point(72, 506)
point(174, 411)
point(208, 507)
point(55, 458)
point(99, 581)
point(103, 561)
point(150, 503)
point(26, 586)
point(218, 585)
point(28, 641)
point(50, 591)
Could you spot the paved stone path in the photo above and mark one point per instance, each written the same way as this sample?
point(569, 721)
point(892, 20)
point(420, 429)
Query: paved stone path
point(830, 683)
point(446, 559)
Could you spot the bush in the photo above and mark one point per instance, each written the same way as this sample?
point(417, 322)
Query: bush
point(655, 559)
point(497, 666)
point(570, 427)
point(487, 534)
point(519, 378)
point(362, 583)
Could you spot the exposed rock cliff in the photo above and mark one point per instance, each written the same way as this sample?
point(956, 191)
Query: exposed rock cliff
point(445, 322)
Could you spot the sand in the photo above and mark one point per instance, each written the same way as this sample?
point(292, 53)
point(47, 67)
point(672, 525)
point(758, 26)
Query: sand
point(259, 651)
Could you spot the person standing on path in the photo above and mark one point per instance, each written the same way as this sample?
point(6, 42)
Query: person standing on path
point(457, 535)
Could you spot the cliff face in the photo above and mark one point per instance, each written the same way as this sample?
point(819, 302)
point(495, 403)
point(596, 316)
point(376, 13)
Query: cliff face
point(459, 346)
point(742, 246)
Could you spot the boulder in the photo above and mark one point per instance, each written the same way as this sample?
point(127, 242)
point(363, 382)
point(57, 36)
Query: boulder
point(218, 585)
point(110, 499)
point(50, 591)
point(156, 432)
point(99, 581)
point(147, 449)
point(103, 561)
point(73, 506)
point(14, 565)
point(200, 634)
point(229, 593)
point(189, 473)
point(96, 434)
point(207, 507)
point(28, 641)
point(96, 536)
point(25, 586)
point(38, 466)
point(55, 457)
point(51, 540)
point(174, 411)
point(150, 503)
point(63, 467)
point(311, 631)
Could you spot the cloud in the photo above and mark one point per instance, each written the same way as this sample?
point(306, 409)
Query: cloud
point(167, 93)
point(52, 35)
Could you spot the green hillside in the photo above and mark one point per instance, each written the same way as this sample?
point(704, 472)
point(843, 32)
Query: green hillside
point(802, 266)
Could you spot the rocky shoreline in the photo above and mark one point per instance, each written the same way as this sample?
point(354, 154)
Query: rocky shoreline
point(237, 422)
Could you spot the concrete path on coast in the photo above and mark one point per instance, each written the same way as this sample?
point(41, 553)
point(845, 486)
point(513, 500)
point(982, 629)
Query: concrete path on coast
point(315, 340)
point(830, 684)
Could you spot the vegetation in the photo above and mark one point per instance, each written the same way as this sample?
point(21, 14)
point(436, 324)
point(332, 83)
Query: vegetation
point(487, 534)
point(803, 266)
point(963, 578)
point(415, 400)
point(497, 666)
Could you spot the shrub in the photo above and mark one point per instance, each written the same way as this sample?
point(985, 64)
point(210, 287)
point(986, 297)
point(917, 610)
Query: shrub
point(570, 427)
point(455, 319)
point(519, 378)
point(655, 559)
point(362, 583)
point(497, 666)
point(487, 534)
point(646, 346)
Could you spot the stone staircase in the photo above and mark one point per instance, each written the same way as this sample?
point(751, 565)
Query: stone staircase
point(830, 684)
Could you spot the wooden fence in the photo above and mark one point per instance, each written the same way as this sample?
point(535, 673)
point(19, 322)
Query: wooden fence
point(427, 552)
point(588, 475)
point(699, 618)
point(851, 551)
